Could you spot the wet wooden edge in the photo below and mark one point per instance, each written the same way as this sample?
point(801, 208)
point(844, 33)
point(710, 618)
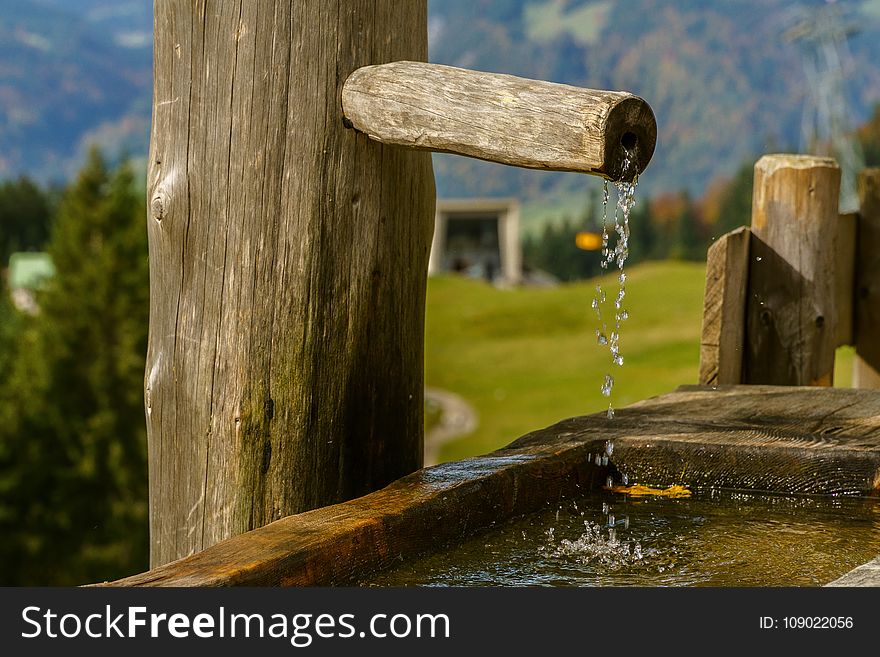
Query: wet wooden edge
point(760, 438)
point(868, 574)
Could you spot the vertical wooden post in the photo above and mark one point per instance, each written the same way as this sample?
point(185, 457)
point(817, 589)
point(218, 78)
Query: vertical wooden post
point(724, 309)
point(866, 366)
point(288, 260)
point(844, 276)
point(791, 317)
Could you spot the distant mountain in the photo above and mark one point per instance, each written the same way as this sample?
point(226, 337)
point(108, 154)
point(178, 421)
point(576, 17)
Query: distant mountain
point(723, 81)
point(72, 72)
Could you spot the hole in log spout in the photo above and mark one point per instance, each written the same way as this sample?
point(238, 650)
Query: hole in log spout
point(631, 132)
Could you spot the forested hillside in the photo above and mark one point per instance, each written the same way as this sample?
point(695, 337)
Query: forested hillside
point(724, 82)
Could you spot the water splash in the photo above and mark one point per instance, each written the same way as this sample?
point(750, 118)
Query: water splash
point(592, 546)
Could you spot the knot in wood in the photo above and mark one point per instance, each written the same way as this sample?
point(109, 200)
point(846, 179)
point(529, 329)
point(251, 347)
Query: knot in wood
point(158, 205)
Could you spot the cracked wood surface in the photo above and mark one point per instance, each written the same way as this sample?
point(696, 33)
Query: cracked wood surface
point(791, 312)
point(288, 260)
point(759, 438)
point(867, 282)
point(722, 340)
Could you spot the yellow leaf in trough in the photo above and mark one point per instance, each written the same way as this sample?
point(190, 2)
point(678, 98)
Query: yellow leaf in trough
point(638, 490)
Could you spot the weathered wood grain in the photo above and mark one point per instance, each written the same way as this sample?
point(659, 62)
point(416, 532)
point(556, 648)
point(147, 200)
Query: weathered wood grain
point(864, 376)
point(792, 316)
point(501, 118)
point(288, 260)
point(844, 277)
point(760, 438)
point(867, 574)
point(724, 309)
point(867, 288)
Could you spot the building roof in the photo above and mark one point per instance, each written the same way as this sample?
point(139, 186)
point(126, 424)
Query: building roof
point(28, 271)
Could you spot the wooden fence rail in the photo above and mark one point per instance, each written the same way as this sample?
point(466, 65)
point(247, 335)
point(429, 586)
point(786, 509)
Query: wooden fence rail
point(782, 295)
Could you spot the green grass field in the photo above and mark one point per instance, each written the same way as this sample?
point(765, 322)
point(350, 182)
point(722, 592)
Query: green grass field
point(526, 358)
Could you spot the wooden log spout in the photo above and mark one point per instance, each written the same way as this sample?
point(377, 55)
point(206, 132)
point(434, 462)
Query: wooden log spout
point(502, 118)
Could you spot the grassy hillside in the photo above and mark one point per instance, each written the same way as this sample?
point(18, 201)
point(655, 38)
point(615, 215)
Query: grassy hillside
point(527, 358)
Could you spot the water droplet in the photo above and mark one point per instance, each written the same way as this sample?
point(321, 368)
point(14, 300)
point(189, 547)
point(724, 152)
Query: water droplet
point(609, 447)
point(758, 258)
point(598, 459)
point(601, 338)
point(607, 385)
point(610, 412)
point(625, 479)
point(604, 460)
point(609, 482)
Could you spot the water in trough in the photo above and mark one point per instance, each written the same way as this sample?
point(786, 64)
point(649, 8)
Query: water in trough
point(711, 539)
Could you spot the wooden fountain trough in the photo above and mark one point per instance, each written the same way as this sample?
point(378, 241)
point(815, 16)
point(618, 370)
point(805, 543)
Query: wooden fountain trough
point(760, 438)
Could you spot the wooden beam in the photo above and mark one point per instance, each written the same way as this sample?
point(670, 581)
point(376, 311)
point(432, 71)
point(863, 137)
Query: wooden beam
point(866, 368)
point(791, 325)
point(759, 438)
point(501, 118)
point(844, 277)
point(724, 309)
point(864, 376)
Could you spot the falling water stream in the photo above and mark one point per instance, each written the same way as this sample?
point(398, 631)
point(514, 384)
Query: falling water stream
point(593, 539)
point(617, 255)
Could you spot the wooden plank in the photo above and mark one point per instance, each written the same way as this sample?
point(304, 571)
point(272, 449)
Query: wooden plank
point(845, 276)
point(864, 376)
point(791, 315)
point(288, 259)
point(867, 574)
point(724, 309)
point(867, 304)
point(760, 438)
point(501, 118)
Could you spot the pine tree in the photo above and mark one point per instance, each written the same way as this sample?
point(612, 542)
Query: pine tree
point(688, 243)
point(73, 480)
point(736, 203)
point(24, 218)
